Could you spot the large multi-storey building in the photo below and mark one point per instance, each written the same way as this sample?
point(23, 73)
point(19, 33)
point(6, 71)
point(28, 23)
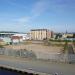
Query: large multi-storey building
point(41, 34)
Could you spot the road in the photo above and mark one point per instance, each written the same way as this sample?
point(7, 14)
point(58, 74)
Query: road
point(40, 66)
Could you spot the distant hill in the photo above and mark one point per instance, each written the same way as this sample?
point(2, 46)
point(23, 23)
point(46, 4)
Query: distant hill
point(8, 32)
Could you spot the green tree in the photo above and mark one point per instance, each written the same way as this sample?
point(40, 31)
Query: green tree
point(58, 36)
point(73, 35)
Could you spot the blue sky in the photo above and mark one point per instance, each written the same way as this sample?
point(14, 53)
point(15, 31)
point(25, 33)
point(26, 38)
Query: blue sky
point(23, 15)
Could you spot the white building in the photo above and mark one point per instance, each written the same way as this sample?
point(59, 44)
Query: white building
point(25, 36)
point(6, 36)
point(17, 38)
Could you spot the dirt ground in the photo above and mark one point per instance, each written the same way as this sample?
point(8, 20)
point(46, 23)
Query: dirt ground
point(36, 48)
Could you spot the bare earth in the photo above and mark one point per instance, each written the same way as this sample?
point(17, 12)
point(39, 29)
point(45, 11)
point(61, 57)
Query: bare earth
point(37, 48)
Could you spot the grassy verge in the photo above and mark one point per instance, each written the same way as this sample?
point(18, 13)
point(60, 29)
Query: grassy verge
point(1, 46)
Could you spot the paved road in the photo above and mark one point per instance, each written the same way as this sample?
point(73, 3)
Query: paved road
point(47, 67)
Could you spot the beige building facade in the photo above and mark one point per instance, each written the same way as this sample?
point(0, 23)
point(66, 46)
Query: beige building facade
point(67, 35)
point(40, 34)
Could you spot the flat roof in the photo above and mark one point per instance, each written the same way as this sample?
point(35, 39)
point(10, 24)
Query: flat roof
point(38, 29)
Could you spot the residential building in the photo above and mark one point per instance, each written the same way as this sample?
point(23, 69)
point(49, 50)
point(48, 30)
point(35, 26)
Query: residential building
point(41, 34)
point(67, 35)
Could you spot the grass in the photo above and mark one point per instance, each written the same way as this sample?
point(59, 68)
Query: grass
point(1, 46)
point(60, 40)
point(52, 43)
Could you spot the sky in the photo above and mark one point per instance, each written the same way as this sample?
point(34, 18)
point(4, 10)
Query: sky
point(24, 15)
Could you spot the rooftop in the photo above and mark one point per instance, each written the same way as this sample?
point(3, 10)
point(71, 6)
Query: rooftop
point(39, 29)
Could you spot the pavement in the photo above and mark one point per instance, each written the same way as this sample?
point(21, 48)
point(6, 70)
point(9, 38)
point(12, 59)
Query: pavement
point(38, 65)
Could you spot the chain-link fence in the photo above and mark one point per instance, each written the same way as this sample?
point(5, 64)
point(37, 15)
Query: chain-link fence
point(67, 58)
point(17, 53)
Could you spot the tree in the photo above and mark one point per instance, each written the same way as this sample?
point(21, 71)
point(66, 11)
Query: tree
point(74, 40)
point(58, 36)
point(73, 35)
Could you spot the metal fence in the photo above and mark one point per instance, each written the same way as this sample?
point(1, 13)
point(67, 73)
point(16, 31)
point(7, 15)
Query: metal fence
point(67, 58)
point(17, 53)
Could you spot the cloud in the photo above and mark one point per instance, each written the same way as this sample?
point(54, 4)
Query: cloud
point(23, 19)
point(38, 8)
